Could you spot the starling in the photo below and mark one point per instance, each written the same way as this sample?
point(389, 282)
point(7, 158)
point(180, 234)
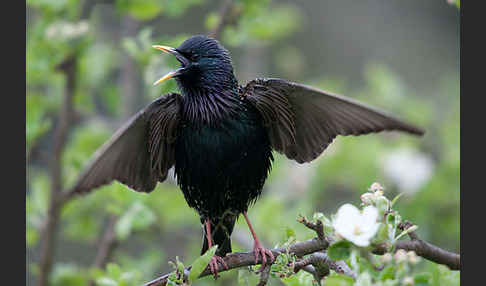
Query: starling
point(219, 137)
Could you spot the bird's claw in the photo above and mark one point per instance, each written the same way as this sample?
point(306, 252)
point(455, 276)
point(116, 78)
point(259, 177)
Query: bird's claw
point(213, 265)
point(263, 252)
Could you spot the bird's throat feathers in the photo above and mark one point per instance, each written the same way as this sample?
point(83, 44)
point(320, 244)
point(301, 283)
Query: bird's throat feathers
point(208, 101)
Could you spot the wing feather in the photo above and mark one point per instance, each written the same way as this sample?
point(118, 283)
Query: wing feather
point(302, 121)
point(140, 153)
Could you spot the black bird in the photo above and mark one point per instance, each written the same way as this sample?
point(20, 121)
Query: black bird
point(219, 136)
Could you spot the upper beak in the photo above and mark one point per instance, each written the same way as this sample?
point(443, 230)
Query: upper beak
point(179, 57)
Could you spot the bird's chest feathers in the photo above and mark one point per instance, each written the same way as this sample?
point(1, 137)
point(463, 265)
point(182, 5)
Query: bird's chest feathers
point(222, 166)
point(216, 146)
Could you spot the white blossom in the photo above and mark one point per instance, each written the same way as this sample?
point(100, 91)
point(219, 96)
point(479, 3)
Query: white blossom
point(355, 226)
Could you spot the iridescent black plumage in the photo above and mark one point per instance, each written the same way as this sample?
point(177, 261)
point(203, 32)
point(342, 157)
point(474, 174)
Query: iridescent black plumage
point(222, 153)
point(220, 136)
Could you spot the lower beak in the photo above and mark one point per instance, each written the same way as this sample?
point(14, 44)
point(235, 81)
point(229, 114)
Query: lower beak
point(169, 75)
point(179, 57)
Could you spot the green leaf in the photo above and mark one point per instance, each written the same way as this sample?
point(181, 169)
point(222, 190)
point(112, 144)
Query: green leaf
point(395, 199)
point(422, 279)
point(382, 235)
point(300, 279)
point(289, 233)
point(388, 273)
point(339, 280)
point(339, 250)
point(446, 277)
point(408, 230)
point(200, 263)
point(383, 205)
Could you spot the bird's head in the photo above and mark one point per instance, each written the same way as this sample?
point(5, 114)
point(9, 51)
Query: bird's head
point(205, 64)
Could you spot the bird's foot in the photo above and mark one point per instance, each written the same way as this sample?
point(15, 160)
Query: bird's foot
point(263, 252)
point(213, 265)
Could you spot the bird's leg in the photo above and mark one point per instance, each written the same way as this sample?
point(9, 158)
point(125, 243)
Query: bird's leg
point(258, 247)
point(213, 263)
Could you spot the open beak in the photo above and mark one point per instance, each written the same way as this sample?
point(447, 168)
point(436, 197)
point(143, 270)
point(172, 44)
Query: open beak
point(185, 62)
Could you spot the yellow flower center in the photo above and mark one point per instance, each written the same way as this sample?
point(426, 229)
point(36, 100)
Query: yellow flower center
point(357, 230)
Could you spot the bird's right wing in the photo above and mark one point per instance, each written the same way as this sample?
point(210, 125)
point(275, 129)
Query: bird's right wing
point(302, 121)
point(140, 153)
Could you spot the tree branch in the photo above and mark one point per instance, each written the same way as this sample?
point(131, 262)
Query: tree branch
point(317, 226)
point(318, 263)
point(432, 253)
point(65, 120)
point(108, 243)
point(425, 249)
point(68, 67)
point(241, 259)
point(322, 264)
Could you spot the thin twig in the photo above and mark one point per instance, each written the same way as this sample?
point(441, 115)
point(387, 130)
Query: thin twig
point(318, 227)
point(107, 245)
point(48, 233)
point(264, 275)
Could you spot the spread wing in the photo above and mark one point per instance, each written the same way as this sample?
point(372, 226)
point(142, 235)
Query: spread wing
point(302, 121)
point(140, 153)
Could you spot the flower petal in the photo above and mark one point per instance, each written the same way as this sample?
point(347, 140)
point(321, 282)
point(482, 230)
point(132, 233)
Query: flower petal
point(370, 214)
point(346, 219)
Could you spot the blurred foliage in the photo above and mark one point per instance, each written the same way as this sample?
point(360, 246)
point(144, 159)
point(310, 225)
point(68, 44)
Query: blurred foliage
point(153, 228)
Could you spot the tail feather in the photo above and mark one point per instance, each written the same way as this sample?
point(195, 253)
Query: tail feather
point(221, 233)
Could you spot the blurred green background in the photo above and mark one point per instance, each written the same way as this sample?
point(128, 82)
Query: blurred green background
point(401, 56)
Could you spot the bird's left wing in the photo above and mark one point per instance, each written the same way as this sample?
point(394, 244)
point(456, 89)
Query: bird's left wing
point(302, 121)
point(140, 153)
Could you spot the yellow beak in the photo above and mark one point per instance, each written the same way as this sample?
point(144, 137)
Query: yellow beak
point(174, 52)
point(165, 77)
point(166, 49)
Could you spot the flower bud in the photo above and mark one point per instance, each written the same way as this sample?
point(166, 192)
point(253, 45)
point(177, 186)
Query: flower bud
point(400, 256)
point(367, 198)
point(387, 257)
point(376, 187)
point(412, 257)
